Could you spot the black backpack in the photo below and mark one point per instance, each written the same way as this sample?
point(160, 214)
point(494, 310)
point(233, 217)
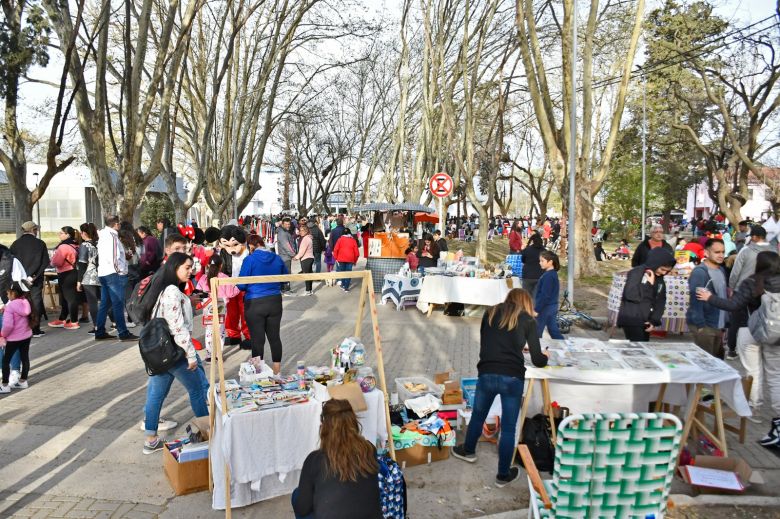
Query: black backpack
point(137, 306)
point(536, 436)
point(158, 349)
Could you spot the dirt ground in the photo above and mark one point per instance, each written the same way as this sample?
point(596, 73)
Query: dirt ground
point(725, 512)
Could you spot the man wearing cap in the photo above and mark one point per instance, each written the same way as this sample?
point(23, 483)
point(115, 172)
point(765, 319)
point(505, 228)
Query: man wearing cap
point(34, 257)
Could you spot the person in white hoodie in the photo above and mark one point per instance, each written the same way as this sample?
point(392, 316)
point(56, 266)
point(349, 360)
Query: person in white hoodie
point(772, 226)
point(112, 273)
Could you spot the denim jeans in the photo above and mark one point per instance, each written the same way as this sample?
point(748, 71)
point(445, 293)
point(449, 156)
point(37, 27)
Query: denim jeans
point(16, 359)
point(548, 316)
point(344, 267)
point(318, 262)
point(195, 382)
point(511, 391)
point(293, 499)
point(112, 293)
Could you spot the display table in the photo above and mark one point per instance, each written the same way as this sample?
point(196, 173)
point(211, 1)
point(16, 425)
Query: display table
point(438, 290)
point(266, 449)
point(595, 376)
point(380, 267)
point(400, 289)
point(677, 297)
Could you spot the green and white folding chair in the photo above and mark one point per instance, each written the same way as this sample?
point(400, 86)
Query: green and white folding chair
point(616, 465)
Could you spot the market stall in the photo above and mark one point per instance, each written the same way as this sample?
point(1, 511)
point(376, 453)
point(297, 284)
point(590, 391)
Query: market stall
point(439, 290)
point(387, 250)
point(677, 297)
point(259, 449)
point(272, 467)
point(592, 376)
point(401, 290)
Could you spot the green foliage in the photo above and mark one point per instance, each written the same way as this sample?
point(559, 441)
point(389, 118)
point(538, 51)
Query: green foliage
point(156, 206)
point(24, 38)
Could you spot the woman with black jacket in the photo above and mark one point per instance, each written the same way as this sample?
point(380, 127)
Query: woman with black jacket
point(428, 252)
point(760, 361)
point(644, 296)
point(532, 271)
point(506, 329)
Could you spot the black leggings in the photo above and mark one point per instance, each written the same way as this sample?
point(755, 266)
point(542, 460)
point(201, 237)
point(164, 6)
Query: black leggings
point(306, 268)
point(92, 292)
point(264, 317)
point(11, 348)
point(636, 333)
point(69, 298)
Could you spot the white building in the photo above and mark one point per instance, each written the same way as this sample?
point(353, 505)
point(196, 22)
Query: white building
point(757, 207)
point(70, 199)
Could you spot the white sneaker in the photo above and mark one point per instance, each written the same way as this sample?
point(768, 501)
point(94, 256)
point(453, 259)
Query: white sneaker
point(14, 377)
point(308, 293)
point(5, 389)
point(20, 385)
point(130, 325)
point(162, 425)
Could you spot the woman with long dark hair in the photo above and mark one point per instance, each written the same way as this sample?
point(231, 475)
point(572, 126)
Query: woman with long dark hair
point(506, 329)
point(532, 271)
point(133, 245)
point(87, 280)
point(761, 361)
point(339, 480)
point(64, 260)
point(19, 320)
point(169, 302)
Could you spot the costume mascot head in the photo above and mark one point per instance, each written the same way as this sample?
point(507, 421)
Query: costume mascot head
point(232, 241)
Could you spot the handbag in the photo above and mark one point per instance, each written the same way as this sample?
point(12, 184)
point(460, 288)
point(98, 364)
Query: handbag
point(158, 349)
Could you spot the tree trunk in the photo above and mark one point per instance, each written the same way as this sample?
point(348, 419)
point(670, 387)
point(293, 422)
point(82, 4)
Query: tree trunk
point(585, 261)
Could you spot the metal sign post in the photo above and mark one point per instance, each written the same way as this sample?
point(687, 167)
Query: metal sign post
point(441, 186)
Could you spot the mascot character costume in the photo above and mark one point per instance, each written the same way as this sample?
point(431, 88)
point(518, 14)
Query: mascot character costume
point(232, 240)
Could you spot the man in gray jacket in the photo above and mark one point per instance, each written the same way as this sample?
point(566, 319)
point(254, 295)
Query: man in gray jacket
point(744, 267)
point(285, 247)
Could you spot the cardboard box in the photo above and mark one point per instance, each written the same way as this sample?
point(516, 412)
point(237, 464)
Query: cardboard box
point(191, 476)
point(735, 465)
point(350, 391)
point(418, 455)
point(441, 378)
point(453, 396)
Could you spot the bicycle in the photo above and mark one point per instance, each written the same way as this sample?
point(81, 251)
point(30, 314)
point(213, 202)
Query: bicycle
point(568, 315)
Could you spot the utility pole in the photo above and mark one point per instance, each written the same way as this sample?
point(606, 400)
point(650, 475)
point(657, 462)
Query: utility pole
point(644, 155)
point(572, 156)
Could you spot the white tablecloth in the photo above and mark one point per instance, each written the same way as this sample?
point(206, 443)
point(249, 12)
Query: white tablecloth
point(400, 289)
point(470, 291)
point(624, 390)
point(266, 449)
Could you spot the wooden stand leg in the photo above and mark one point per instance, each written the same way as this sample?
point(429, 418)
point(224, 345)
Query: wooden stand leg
point(719, 420)
point(524, 409)
point(548, 410)
point(689, 418)
point(430, 309)
point(659, 402)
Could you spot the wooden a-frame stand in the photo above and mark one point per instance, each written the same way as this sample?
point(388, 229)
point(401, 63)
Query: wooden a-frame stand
point(217, 364)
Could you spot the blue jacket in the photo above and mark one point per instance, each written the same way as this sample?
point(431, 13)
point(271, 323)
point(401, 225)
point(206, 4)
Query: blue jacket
point(262, 263)
point(547, 291)
point(701, 314)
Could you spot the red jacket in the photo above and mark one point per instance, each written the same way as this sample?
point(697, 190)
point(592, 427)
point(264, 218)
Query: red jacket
point(515, 241)
point(346, 250)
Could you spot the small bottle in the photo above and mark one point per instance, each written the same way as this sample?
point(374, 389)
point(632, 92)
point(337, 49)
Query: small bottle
point(301, 375)
point(358, 355)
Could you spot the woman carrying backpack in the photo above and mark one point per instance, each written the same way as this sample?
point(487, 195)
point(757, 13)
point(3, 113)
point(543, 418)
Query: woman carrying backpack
point(506, 329)
point(171, 304)
point(64, 260)
point(87, 278)
point(340, 479)
point(761, 361)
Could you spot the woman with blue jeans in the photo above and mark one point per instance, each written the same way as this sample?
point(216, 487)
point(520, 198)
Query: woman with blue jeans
point(506, 329)
point(172, 305)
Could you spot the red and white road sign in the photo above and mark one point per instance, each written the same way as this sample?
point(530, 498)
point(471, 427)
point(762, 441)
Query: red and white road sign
point(440, 185)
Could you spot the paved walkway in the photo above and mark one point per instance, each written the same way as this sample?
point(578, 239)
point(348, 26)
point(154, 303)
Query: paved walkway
point(71, 445)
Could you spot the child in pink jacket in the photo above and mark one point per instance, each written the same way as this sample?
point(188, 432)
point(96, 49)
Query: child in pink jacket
point(18, 323)
point(226, 292)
